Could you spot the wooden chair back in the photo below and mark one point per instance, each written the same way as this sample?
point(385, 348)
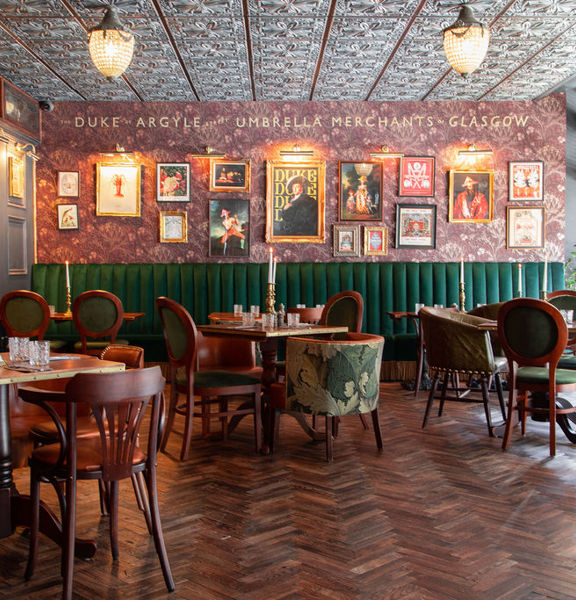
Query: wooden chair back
point(180, 333)
point(564, 300)
point(24, 314)
point(131, 356)
point(345, 309)
point(308, 315)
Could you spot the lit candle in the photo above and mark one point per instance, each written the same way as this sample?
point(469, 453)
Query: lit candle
point(545, 278)
point(274, 270)
point(520, 292)
point(67, 275)
point(461, 270)
point(270, 265)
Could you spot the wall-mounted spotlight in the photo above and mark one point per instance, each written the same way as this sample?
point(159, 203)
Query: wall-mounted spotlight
point(384, 152)
point(296, 152)
point(119, 151)
point(209, 152)
point(473, 151)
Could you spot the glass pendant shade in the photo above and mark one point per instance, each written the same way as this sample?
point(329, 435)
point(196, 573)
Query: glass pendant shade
point(466, 42)
point(111, 46)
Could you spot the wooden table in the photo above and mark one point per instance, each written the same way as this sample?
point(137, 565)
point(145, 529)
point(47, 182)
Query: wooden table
point(60, 317)
point(15, 508)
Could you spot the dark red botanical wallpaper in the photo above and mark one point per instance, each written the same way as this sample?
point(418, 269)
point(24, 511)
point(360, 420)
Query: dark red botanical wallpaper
point(75, 133)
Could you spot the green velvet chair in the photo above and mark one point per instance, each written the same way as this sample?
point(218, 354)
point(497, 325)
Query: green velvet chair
point(212, 387)
point(533, 334)
point(565, 300)
point(490, 312)
point(345, 309)
point(97, 316)
point(457, 350)
point(330, 378)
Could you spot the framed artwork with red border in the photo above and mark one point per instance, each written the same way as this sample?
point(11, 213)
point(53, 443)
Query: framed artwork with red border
point(417, 176)
point(526, 180)
point(375, 241)
point(360, 191)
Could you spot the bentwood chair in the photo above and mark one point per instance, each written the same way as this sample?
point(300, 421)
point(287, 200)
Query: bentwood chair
point(455, 347)
point(212, 387)
point(118, 402)
point(97, 316)
point(345, 309)
point(330, 378)
point(308, 314)
point(533, 334)
point(565, 300)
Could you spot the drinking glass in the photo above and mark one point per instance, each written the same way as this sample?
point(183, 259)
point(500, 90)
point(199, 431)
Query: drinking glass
point(52, 309)
point(43, 353)
point(568, 315)
point(418, 306)
point(14, 348)
point(293, 319)
point(238, 310)
point(247, 319)
point(268, 320)
point(438, 306)
point(255, 310)
point(300, 306)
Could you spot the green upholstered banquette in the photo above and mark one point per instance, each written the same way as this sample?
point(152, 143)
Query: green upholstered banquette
point(214, 287)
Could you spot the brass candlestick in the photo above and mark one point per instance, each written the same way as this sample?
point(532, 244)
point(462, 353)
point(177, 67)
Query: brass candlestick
point(68, 312)
point(462, 296)
point(271, 298)
point(543, 295)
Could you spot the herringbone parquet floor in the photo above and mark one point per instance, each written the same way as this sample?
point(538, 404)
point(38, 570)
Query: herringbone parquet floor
point(441, 514)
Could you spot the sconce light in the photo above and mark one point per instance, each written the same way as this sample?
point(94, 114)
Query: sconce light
point(296, 152)
point(111, 45)
point(119, 151)
point(386, 153)
point(466, 42)
point(472, 151)
point(209, 152)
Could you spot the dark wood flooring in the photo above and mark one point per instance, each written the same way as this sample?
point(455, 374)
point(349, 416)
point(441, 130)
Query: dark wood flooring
point(441, 514)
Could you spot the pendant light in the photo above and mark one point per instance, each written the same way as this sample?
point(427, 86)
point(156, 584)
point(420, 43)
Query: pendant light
point(111, 45)
point(466, 42)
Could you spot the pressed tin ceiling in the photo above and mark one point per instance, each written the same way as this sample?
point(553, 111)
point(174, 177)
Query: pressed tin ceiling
point(287, 50)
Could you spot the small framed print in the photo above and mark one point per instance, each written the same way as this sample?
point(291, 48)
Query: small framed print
point(172, 182)
point(67, 216)
point(118, 189)
point(375, 241)
point(525, 227)
point(471, 196)
point(346, 240)
point(360, 191)
point(173, 226)
point(416, 176)
point(68, 184)
point(415, 226)
point(229, 228)
point(229, 176)
point(526, 180)
point(15, 177)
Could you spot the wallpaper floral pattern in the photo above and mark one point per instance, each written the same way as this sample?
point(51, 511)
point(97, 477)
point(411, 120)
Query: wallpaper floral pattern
point(75, 133)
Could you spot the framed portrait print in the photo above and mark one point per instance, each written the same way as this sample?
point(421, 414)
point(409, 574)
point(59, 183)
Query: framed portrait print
point(67, 216)
point(375, 241)
point(68, 184)
point(471, 196)
point(415, 226)
point(229, 228)
point(416, 176)
point(360, 191)
point(118, 189)
point(172, 182)
point(173, 226)
point(295, 201)
point(20, 109)
point(346, 240)
point(15, 177)
point(229, 176)
point(525, 227)
point(526, 180)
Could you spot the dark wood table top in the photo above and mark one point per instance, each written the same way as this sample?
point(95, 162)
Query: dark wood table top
point(128, 316)
point(259, 333)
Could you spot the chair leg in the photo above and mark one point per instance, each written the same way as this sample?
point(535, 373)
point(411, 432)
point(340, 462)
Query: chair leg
point(258, 420)
point(420, 367)
point(69, 533)
point(188, 427)
point(364, 422)
point(103, 495)
point(430, 398)
point(523, 400)
point(113, 499)
point(486, 402)
point(552, 411)
point(335, 426)
point(500, 394)
point(329, 438)
point(139, 486)
point(157, 527)
point(377, 430)
point(34, 524)
point(170, 418)
point(509, 416)
point(447, 377)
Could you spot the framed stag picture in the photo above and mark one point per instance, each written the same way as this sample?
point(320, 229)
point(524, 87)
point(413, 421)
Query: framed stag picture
point(471, 196)
point(172, 182)
point(295, 201)
point(416, 176)
point(229, 176)
point(525, 227)
point(375, 241)
point(173, 226)
point(526, 180)
point(346, 240)
point(118, 189)
point(415, 226)
point(229, 228)
point(360, 191)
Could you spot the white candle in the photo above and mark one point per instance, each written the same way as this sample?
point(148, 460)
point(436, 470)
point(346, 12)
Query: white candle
point(67, 275)
point(545, 278)
point(461, 270)
point(520, 291)
point(274, 270)
point(270, 265)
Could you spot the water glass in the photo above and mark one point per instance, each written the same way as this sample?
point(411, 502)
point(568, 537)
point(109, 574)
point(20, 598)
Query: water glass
point(238, 310)
point(43, 353)
point(438, 306)
point(255, 310)
point(18, 349)
point(293, 319)
point(568, 315)
point(268, 320)
point(300, 306)
point(52, 309)
point(418, 306)
point(248, 319)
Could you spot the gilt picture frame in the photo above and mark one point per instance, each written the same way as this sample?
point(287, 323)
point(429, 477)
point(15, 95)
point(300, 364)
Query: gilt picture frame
point(346, 240)
point(229, 175)
point(360, 191)
point(15, 177)
point(118, 189)
point(375, 241)
point(526, 181)
point(417, 176)
point(173, 226)
point(471, 196)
